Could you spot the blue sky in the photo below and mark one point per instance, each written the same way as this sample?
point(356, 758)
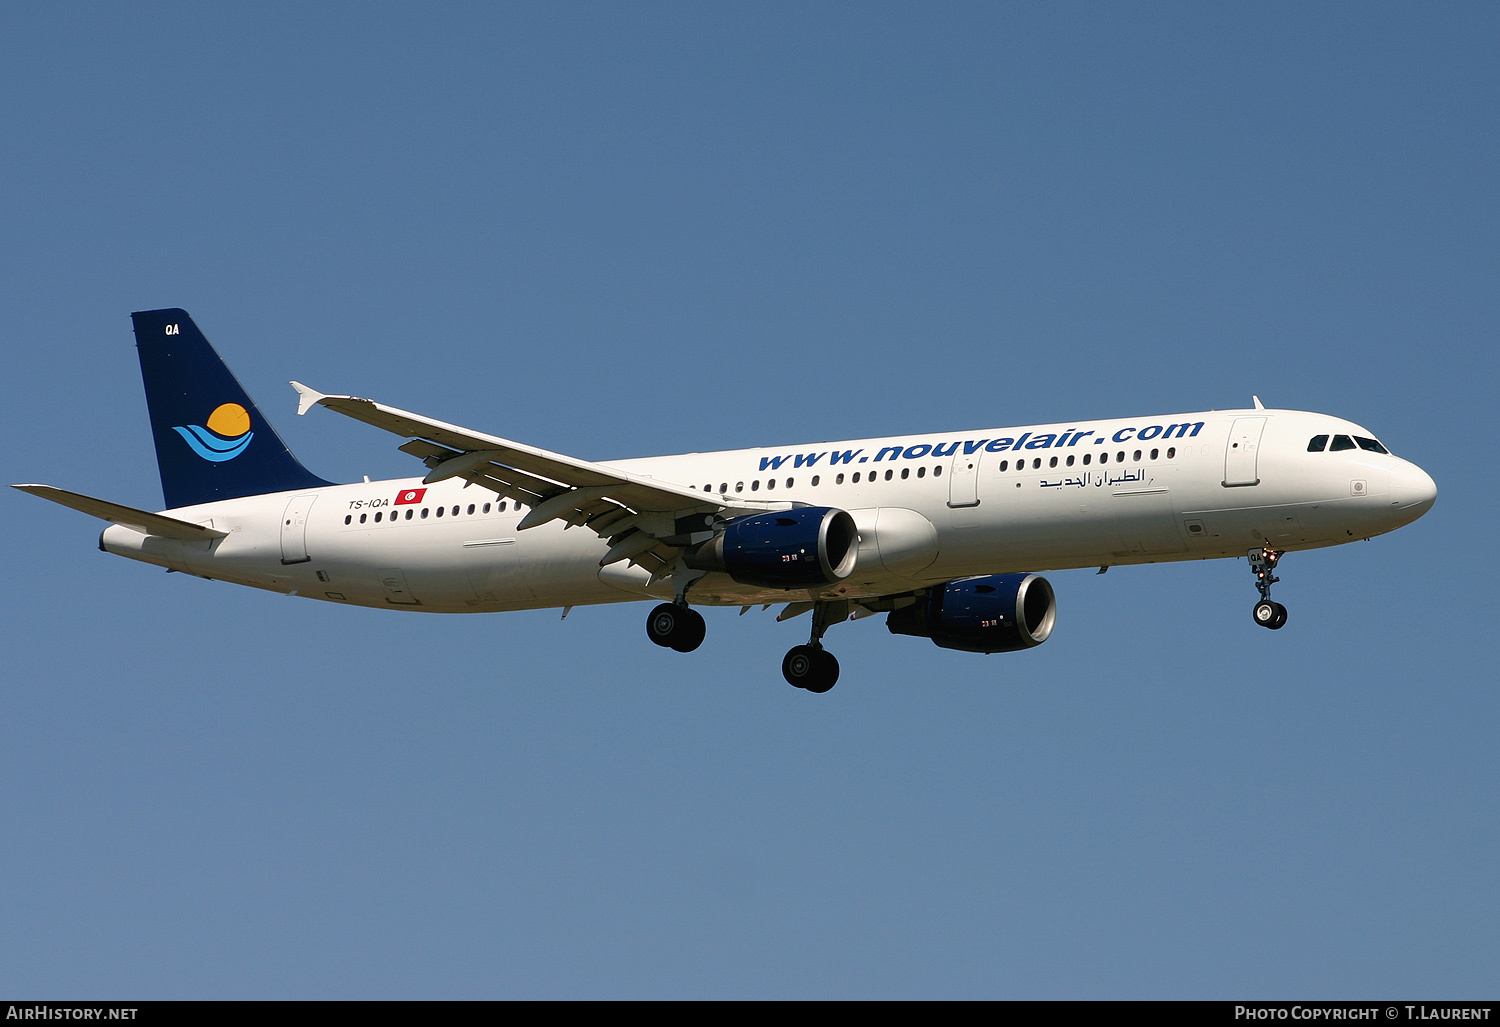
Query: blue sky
point(621, 230)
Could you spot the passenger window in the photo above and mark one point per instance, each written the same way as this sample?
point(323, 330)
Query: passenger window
point(771, 483)
point(501, 507)
point(921, 472)
point(424, 513)
point(1052, 462)
point(486, 508)
point(377, 516)
point(408, 514)
point(888, 475)
point(905, 473)
point(1070, 459)
point(724, 487)
point(815, 480)
point(1104, 458)
point(755, 485)
point(1004, 465)
point(362, 518)
point(347, 518)
point(739, 486)
point(1036, 465)
point(1317, 444)
point(855, 480)
point(1171, 452)
point(839, 480)
point(937, 472)
point(439, 512)
point(1154, 452)
point(1340, 443)
point(1370, 445)
point(1086, 458)
point(1137, 457)
point(471, 510)
point(1120, 457)
point(789, 483)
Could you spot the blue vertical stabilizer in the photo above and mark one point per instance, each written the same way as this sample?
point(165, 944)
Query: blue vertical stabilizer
point(212, 442)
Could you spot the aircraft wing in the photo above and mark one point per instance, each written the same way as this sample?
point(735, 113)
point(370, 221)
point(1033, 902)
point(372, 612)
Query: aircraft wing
point(639, 515)
point(139, 520)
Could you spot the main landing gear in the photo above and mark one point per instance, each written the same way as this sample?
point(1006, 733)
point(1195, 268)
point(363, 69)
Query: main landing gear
point(1266, 613)
point(811, 666)
point(676, 626)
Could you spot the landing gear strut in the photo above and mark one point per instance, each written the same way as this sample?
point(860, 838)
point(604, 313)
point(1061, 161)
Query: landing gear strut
point(811, 666)
point(1266, 613)
point(676, 626)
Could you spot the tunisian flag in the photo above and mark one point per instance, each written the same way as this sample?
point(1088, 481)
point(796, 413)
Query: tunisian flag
point(410, 496)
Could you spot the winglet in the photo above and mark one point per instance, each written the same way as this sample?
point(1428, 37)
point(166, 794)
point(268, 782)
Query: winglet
point(1258, 404)
point(307, 398)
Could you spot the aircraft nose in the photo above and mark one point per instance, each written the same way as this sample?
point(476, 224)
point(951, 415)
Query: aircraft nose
point(1412, 489)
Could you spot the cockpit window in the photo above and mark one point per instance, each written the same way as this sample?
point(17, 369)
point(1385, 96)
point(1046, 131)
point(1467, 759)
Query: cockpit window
point(1341, 442)
point(1370, 445)
point(1317, 444)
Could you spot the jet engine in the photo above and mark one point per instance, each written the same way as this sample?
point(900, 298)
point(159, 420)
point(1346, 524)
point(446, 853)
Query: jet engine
point(996, 613)
point(803, 547)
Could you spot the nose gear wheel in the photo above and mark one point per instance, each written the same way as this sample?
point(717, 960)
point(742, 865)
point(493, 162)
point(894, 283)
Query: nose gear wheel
point(1269, 615)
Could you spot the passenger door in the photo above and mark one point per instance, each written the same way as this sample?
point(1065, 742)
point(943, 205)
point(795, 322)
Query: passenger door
point(1241, 452)
point(294, 529)
point(963, 479)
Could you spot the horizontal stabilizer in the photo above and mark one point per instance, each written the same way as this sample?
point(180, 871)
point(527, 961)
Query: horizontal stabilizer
point(138, 520)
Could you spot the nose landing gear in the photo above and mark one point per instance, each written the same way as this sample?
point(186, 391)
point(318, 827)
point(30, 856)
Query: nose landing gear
point(1267, 614)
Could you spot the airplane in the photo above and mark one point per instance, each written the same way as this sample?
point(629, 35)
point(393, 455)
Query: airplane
point(943, 532)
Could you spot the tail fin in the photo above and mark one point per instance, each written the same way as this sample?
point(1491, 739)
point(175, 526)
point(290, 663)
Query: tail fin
point(212, 442)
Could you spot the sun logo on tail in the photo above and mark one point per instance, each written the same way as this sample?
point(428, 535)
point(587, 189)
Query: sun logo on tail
point(226, 437)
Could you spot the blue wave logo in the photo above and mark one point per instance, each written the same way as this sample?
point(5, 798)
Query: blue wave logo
point(227, 436)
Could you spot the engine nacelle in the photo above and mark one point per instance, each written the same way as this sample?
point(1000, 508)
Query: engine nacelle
point(804, 547)
point(997, 613)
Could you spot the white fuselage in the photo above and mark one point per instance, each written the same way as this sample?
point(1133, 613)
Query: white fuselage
point(930, 508)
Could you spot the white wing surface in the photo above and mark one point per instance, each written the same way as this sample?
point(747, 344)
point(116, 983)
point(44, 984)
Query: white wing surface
point(641, 517)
